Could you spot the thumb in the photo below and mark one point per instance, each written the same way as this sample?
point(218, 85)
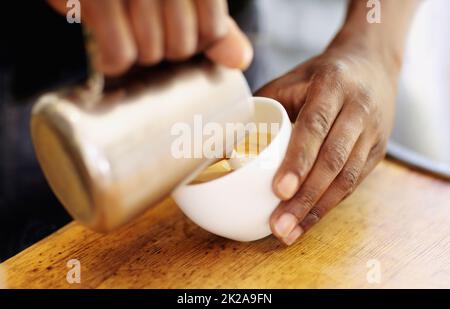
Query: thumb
point(234, 50)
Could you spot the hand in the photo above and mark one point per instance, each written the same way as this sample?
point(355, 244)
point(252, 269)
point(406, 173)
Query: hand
point(149, 31)
point(343, 105)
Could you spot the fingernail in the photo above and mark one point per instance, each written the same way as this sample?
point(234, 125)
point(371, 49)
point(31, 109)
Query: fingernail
point(310, 220)
point(285, 224)
point(293, 236)
point(287, 186)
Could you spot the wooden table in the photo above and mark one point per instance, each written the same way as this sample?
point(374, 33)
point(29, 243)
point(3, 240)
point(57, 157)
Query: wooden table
point(394, 230)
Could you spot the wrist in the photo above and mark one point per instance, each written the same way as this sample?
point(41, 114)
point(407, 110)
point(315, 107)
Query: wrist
point(383, 41)
point(369, 42)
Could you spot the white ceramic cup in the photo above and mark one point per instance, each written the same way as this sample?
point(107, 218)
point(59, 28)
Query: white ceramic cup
point(238, 205)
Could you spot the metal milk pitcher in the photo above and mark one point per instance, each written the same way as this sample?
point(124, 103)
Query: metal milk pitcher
point(107, 155)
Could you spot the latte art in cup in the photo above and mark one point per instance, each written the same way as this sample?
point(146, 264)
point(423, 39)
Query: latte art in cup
point(245, 151)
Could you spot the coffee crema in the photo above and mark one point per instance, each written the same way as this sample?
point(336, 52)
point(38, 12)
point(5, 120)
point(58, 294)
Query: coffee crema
point(253, 144)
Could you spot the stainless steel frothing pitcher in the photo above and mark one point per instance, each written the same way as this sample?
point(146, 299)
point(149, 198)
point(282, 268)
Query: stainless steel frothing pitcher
point(106, 151)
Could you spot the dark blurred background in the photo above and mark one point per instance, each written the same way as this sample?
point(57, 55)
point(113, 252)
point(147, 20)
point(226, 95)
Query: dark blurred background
point(39, 51)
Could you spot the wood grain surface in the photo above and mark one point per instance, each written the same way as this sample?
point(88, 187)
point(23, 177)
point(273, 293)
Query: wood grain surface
point(394, 230)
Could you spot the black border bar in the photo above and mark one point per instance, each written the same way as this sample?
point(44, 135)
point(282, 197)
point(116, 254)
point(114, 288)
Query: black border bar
point(364, 298)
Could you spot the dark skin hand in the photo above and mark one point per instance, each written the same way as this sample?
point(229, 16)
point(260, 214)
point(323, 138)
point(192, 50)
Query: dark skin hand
point(343, 103)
